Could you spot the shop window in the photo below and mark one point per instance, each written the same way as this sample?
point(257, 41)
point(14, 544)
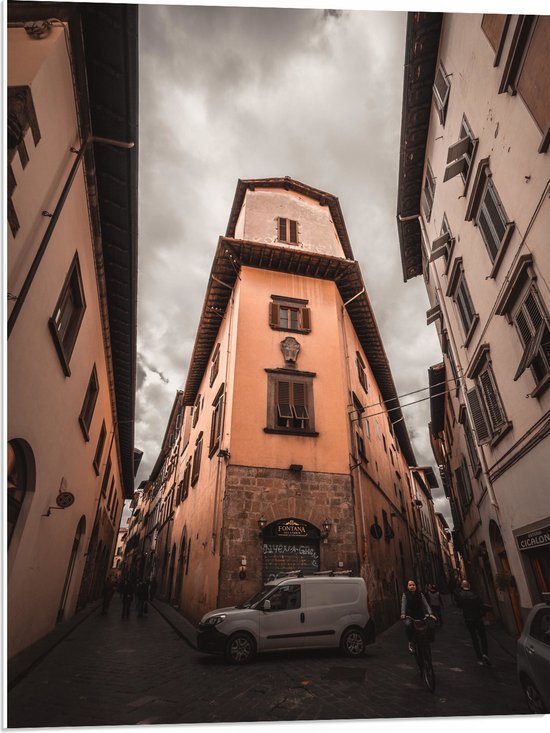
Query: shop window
point(68, 314)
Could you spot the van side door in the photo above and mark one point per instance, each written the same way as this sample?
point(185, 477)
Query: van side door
point(282, 626)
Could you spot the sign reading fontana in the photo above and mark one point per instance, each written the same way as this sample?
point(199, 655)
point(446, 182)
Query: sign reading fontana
point(291, 529)
point(536, 538)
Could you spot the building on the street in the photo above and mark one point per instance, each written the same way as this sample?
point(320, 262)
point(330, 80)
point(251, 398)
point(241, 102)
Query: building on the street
point(71, 276)
point(291, 452)
point(427, 554)
point(473, 218)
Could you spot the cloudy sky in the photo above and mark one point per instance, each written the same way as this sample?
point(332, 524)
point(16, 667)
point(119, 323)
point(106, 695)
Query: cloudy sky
point(229, 93)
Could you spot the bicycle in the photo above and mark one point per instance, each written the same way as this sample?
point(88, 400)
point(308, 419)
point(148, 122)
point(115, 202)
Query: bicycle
point(423, 637)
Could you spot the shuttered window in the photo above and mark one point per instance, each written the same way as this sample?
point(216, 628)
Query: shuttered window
point(196, 409)
point(197, 460)
point(361, 371)
point(491, 220)
point(217, 421)
point(88, 406)
point(68, 314)
point(464, 305)
point(486, 408)
point(184, 486)
point(532, 326)
point(429, 192)
point(461, 154)
point(464, 484)
point(215, 365)
point(289, 314)
point(290, 403)
point(287, 231)
point(441, 91)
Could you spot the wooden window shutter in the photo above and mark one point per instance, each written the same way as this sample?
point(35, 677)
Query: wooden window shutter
point(491, 398)
point(306, 319)
point(477, 411)
point(433, 314)
point(274, 319)
point(300, 400)
point(293, 237)
point(456, 167)
point(458, 149)
point(282, 229)
point(439, 246)
point(283, 400)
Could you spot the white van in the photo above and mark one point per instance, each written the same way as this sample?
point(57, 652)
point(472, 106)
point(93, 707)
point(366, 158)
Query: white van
point(310, 612)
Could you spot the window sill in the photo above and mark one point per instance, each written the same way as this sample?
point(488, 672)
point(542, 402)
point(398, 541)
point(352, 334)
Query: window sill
point(292, 330)
point(503, 431)
point(541, 387)
point(288, 431)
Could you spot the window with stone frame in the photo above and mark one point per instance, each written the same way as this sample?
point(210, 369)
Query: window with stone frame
point(68, 314)
point(290, 402)
point(441, 92)
point(99, 448)
point(464, 420)
point(215, 365)
point(484, 401)
point(289, 314)
point(197, 453)
point(216, 427)
point(459, 292)
point(485, 209)
point(464, 484)
point(428, 191)
point(444, 244)
point(196, 409)
point(287, 230)
point(461, 154)
point(185, 482)
point(88, 406)
point(531, 321)
point(361, 371)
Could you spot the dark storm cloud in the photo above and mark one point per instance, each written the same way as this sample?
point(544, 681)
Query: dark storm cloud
point(229, 93)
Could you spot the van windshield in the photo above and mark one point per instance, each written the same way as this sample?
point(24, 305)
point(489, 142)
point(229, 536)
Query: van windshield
point(257, 597)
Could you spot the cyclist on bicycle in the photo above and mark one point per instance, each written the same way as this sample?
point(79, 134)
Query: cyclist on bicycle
point(415, 606)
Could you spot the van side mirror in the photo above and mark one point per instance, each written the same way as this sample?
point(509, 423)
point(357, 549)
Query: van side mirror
point(266, 605)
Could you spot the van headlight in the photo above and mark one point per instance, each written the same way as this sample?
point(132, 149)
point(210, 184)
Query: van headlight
point(214, 620)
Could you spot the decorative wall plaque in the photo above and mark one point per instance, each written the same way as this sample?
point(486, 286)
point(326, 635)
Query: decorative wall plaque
point(290, 348)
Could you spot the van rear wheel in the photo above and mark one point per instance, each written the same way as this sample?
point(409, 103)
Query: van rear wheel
point(240, 649)
point(353, 643)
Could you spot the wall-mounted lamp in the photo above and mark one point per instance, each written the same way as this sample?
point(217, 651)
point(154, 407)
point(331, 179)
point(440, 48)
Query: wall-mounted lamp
point(242, 569)
point(296, 467)
point(418, 503)
point(261, 524)
point(224, 453)
point(327, 524)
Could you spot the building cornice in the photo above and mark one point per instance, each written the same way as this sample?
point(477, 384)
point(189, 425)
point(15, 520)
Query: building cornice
point(421, 50)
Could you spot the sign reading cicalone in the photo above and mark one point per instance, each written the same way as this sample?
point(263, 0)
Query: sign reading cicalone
point(536, 538)
point(291, 528)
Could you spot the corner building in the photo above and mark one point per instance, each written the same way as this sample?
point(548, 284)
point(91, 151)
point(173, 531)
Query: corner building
point(290, 459)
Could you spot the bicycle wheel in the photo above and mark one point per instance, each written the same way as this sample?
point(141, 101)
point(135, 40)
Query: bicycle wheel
point(428, 671)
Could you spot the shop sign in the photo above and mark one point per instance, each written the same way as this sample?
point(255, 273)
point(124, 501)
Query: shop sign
point(291, 528)
point(536, 538)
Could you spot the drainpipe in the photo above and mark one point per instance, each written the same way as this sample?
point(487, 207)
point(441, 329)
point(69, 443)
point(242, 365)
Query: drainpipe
point(20, 298)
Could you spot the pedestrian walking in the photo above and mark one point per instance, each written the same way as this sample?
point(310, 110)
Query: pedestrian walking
point(142, 595)
point(127, 592)
point(473, 611)
point(414, 605)
point(108, 592)
point(433, 596)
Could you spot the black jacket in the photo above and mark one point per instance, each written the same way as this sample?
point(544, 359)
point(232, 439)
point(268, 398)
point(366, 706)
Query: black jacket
point(471, 605)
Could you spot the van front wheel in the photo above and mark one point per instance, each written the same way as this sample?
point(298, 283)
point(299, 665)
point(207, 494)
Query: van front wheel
point(353, 643)
point(241, 648)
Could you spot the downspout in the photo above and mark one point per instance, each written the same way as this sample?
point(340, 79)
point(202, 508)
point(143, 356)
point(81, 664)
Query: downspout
point(54, 217)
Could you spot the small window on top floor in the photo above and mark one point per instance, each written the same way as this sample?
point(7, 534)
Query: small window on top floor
point(90, 398)
point(287, 230)
point(215, 365)
point(441, 91)
point(289, 314)
point(361, 371)
point(68, 314)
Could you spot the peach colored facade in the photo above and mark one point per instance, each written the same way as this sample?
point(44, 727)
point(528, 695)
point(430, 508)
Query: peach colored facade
point(482, 235)
point(246, 492)
point(66, 481)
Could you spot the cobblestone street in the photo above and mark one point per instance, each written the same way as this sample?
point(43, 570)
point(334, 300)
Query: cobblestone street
point(112, 671)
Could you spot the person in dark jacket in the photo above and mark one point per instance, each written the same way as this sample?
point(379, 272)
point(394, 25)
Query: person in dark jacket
point(434, 599)
point(415, 605)
point(127, 592)
point(473, 609)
